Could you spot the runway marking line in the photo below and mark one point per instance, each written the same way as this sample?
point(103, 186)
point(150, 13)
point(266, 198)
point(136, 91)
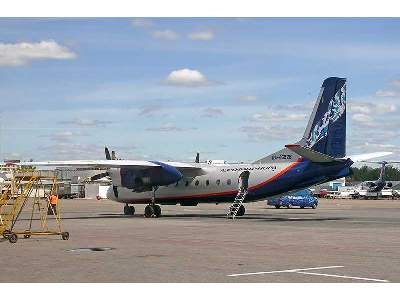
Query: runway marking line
point(304, 272)
point(342, 276)
point(285, 271)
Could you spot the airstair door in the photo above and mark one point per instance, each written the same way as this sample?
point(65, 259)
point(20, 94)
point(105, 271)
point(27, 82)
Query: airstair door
point(244, 181)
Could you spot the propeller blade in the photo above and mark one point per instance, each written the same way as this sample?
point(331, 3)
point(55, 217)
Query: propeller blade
point(108, 156)
point(99, 176)
point(115, 189)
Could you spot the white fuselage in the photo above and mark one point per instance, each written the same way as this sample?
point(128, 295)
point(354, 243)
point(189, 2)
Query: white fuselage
point(220, 179)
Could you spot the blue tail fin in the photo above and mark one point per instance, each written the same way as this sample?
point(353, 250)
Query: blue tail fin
point(326, 130)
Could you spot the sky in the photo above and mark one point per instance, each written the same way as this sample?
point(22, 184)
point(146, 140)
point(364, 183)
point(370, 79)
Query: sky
point(235, 89)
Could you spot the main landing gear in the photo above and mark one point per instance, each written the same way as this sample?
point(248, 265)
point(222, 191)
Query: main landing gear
point(152, 210)
point(129, 210)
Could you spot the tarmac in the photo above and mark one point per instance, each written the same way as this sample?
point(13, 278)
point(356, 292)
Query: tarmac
point(340, 241)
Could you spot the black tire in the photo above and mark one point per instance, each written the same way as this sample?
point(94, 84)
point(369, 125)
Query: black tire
point(241, 211)
point(148, 211)
point(301, 206)
point(289, 206)
point(277, 206)
point(65, 235)
point(6, 233)
point(157, 210)
point(12, 238)
point(131, 210)
point(314, 206)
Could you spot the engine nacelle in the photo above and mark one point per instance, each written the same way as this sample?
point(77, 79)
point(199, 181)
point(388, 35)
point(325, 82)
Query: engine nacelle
point(144, 180)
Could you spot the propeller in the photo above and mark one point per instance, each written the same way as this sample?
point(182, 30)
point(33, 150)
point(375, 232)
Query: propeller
point(108, 156)
point(99, 176)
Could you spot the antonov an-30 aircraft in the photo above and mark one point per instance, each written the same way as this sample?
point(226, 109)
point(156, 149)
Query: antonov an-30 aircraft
point(318, 157)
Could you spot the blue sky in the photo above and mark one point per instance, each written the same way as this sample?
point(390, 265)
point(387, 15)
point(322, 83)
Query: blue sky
point(231, 88)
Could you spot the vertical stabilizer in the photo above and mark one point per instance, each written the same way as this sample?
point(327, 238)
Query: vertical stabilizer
point(326, 129)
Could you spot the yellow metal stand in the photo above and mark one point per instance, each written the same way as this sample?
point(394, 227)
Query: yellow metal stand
point(23, 187)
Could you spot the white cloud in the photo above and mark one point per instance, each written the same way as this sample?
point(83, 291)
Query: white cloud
point(248, 98)
point(23, 53)
point(201, 35)
point(362, 118)
point(371, 108)
point(387, 93)
point(187, 77)
point(212, 112)
point(268, 133)
point(142, 23)
point(87, 122)
point(165, 34)
point(169, 127)
point(279, 116)
point(64, 136)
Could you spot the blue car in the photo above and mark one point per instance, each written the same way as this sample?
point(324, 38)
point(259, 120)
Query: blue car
point(303, 198)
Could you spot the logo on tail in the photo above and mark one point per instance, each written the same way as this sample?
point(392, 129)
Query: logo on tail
point(326, 130)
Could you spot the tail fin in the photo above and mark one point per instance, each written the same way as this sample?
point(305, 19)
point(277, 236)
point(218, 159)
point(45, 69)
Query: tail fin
point(326, 129)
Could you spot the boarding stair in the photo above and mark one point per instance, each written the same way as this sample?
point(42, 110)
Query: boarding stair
point(237, 203)
point(12, 201)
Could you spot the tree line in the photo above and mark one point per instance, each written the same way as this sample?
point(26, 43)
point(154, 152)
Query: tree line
point(366, 173)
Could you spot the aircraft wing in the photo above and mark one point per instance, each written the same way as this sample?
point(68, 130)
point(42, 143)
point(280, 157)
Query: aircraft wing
point(185, 168)
point(367, 156)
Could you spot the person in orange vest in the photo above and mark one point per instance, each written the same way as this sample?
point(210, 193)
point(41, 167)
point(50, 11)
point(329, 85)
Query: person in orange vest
point(53, 199)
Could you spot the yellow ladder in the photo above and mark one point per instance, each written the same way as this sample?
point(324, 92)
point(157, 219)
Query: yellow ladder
point(12, 204)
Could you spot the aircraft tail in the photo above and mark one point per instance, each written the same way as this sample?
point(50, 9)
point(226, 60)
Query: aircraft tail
point(326, 129)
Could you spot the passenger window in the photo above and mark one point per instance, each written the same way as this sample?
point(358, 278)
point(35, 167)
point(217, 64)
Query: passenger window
point(196, 183)
point(218, 182)
point(207, 182)
point(228, 182)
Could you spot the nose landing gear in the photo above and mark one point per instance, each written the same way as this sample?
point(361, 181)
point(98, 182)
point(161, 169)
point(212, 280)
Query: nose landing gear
point(153, 209)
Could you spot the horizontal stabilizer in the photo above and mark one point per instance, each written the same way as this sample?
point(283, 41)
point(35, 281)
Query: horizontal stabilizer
point(367, 156)
point(312, 155)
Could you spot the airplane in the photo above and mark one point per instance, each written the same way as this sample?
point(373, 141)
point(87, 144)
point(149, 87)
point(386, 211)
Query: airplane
point(318, 157)
point(379, 184)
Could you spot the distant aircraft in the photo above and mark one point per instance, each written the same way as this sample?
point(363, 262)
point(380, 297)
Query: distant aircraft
point(379, 184)
point(320, 156)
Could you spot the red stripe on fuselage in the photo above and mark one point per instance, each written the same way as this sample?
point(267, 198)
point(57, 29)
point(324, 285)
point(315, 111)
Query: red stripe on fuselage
point(233, 192)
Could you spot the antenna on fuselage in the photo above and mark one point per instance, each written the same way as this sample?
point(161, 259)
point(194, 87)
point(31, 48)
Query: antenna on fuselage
point(197, 158)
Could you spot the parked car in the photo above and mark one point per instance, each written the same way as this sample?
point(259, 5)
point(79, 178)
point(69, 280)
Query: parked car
point(302, 199)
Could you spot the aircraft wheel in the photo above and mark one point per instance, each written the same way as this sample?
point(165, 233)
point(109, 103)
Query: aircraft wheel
point(148, 211)
point(157, 210)
point(277, 206)
point(241, 211)
point(129, 210)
